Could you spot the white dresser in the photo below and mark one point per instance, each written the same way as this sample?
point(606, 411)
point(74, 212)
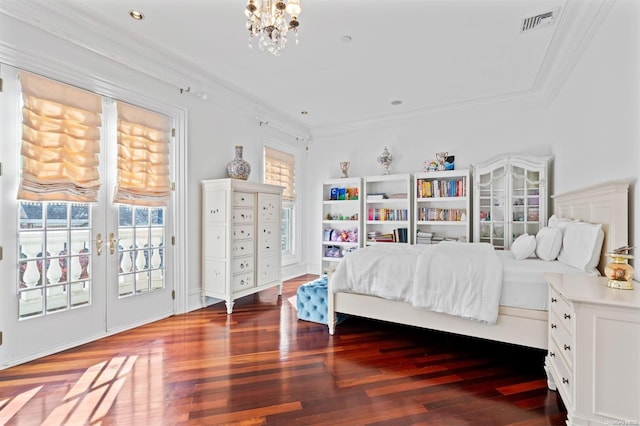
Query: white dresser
point(241, 239)
point(594, 349)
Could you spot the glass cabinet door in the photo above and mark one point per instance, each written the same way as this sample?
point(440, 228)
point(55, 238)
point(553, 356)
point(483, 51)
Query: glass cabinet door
point(525, 206)
point(492, 204)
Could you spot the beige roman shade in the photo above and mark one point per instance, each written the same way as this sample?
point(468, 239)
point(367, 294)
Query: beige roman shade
point(60, 141)
point(280, 170)
point(143, 157)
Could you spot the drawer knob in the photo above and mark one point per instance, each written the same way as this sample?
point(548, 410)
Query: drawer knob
point(565, 381)
point(552, 354)
point(553, 326)
point(567, 347)
point(567, 316)
point(554, 300)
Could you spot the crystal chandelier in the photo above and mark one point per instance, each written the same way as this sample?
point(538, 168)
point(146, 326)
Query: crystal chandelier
point(266, 22)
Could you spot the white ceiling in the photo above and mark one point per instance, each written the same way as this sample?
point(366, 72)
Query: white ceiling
point(431, 54)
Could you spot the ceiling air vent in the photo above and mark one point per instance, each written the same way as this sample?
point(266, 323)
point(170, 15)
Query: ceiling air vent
point(534, 22)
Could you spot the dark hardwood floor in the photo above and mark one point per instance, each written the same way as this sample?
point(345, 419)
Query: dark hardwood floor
point(262, 366)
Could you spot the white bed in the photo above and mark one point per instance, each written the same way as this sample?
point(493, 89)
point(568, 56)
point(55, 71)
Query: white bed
point(522, 315)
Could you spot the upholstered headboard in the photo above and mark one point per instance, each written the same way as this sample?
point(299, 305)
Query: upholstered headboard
point(606, 203)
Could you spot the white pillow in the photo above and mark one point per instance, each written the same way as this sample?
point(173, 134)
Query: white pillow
point(523, 246)
point(581, 246)
point(560, 222)
point(548, 243)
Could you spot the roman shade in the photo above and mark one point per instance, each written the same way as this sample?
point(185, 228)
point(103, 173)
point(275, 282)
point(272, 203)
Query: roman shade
point(143, 157)
point(279, 169)
point(60, 141)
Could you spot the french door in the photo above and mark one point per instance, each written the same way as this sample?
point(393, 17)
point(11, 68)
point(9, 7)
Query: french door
point(74, 272)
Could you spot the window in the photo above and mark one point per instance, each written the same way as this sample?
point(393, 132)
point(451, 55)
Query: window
point(279, 169)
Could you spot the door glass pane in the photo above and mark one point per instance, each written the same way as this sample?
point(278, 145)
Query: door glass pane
point(141, 238)
point(54, 250)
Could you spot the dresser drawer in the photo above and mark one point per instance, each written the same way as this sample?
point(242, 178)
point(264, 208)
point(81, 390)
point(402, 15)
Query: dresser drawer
point(242, 232)
point(269, 267)
point(242, 282)
point(562, 309)
point(269, 237)
point(561, 374)
point(241, 265)
point(242, 215)
point(562, 337)
point(269, 207)
point(243, 199)
point(242, 247)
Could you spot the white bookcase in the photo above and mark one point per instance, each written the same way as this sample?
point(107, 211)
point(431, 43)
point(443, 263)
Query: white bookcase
point(387, 209)
point(341, 219)
point(442, 206)
point(510, 198)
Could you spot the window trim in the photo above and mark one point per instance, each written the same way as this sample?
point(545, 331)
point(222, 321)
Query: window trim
point(296, 244)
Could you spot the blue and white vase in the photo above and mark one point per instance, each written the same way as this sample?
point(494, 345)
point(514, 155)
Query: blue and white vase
point(238, 168)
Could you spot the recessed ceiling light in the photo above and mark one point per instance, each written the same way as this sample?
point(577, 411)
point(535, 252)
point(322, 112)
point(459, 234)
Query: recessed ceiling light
point(138, 16)
point(398, 102)
point(346, 39)
point(304, 112)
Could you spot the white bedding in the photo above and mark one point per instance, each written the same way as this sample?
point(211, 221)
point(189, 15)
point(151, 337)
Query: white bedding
point(523, 285)
point(398, 272)
point(427, 276)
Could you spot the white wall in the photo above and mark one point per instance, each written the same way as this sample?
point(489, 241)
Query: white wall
point(591, 129)
point(595, 120)
point(213, 126)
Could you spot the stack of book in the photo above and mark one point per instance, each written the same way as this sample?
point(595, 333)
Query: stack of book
point(377, 196)
point(399, 235)
point(424, 237)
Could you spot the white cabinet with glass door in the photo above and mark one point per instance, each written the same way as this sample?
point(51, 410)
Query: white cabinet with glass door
point(510, 198)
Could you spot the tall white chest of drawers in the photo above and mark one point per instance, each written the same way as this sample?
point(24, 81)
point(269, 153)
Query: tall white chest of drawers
point(241, 239)
point(594, 350)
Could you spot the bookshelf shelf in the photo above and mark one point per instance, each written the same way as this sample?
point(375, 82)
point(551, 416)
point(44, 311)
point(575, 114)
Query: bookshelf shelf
point(445, 196)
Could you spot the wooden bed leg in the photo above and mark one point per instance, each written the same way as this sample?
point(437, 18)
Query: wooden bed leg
point(551, 384)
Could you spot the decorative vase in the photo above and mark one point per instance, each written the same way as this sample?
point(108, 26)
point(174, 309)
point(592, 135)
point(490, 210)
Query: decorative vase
point(238, 168)
point(619, 272)
point(441, 157)
point(384, 160)
point(344, 167)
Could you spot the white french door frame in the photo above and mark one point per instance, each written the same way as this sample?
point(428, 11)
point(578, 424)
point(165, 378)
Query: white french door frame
point(176, 225)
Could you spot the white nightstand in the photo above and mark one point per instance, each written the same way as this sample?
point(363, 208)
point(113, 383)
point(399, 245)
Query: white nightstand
point(594, 349)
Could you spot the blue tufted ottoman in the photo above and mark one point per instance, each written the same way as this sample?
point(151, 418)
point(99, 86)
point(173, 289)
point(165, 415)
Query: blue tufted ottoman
point(311, 300)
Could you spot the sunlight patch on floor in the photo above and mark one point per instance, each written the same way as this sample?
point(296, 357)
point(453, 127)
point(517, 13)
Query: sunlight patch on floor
point(88, 400)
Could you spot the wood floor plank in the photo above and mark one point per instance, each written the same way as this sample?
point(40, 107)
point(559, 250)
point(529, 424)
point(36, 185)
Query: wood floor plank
point(263, 366)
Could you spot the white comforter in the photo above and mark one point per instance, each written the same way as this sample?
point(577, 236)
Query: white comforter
point(455, 278)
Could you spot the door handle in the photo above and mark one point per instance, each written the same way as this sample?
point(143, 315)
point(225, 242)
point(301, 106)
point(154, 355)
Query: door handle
point(112, 243)
point(99, 244)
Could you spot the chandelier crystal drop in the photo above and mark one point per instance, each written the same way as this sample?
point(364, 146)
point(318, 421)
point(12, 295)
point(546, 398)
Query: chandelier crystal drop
point(267, 23)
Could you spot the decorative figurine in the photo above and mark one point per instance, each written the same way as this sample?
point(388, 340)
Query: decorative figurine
point(441, 157)
point(344, 166)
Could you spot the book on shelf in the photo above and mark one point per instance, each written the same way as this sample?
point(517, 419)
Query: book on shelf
point(429, 188)
point(399, 235)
